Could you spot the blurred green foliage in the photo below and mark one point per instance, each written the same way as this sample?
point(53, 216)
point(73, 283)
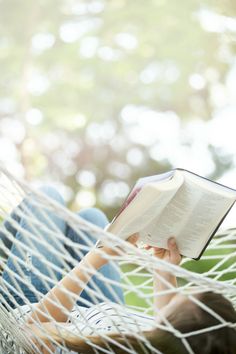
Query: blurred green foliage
point(76, 75)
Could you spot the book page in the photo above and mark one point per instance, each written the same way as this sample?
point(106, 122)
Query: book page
point(191, 216)
point(140, 184)
point(209, 185)
point(157, 178)
point(147, 204)
point(205, 216)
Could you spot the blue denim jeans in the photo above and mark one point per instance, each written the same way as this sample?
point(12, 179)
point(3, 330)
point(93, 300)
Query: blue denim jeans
point(17, 288)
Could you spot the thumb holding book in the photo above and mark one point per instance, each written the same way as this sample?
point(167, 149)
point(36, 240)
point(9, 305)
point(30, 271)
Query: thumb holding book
point(170, 255)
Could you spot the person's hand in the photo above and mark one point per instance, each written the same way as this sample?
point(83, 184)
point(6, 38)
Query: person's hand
point(117, 250)
point(170, 255)
point(133, 239)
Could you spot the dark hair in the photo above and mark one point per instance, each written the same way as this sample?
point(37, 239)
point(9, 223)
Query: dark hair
point(186, 318)
point(218, 341)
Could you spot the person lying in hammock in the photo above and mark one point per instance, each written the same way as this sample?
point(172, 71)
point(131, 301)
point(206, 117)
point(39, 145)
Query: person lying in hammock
point(56, 319)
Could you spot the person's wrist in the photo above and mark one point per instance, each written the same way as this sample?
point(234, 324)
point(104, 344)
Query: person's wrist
point(162, 273)
point(96, 257)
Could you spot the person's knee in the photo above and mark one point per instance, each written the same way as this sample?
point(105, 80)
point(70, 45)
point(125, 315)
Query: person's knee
point(95, 216)
point(52, 193)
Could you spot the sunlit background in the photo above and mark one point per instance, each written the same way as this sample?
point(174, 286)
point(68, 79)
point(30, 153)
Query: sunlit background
point(95, 94)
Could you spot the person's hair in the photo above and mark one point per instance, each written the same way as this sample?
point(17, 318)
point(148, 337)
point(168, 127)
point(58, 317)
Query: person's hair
point(186, 318)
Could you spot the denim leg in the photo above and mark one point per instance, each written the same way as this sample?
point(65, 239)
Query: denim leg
point(109, 271)
point(7, 225)
point(48, 222)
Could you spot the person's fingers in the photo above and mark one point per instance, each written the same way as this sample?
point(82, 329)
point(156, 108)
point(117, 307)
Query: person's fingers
point(175, 256)
point(133, 238)
point(159, 252)
point(158, 248)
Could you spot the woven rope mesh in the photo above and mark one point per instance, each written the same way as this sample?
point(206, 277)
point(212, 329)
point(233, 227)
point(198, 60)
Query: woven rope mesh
point(36, 252)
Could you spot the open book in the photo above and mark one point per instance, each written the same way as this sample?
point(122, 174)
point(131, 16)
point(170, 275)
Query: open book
point(178, 203)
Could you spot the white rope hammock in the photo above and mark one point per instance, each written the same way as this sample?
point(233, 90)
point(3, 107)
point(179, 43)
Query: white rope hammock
point(39, 232)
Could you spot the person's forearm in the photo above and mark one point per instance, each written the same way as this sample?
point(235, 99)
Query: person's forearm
point(163, 281)
point(60, 300)
point(40, 335)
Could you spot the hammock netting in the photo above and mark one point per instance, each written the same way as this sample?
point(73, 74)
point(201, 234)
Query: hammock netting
point(20, 255)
